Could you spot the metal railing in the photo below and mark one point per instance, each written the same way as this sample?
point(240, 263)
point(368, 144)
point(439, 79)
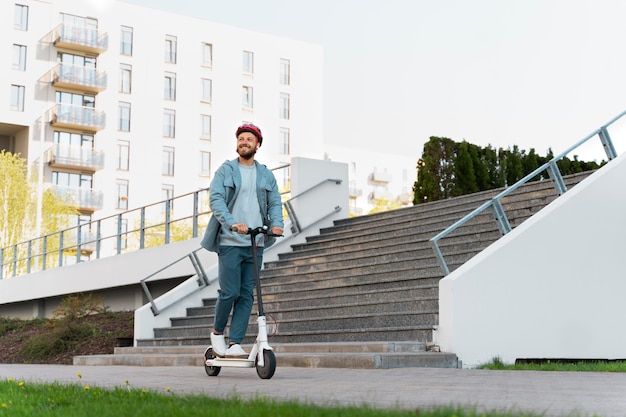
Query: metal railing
point(203, 279)
point(554, 173)
point(296, 227)
point(174, 219)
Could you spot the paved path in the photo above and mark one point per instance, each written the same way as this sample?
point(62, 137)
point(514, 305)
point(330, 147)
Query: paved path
point(546, 393)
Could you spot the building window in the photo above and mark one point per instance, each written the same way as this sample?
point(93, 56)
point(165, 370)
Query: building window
point(66, 179)
point(123, 155)
point(19, 57)
point(20, 18)
point(247, 97)
point(169, 123)
point(124, 119)
point(17, 98)
point(170, 86)
point(170, 49)
point(168, 161)
point(126, 41)
point(75, 99)
point(82, 140)
point(206, 126)
point(205, 164)
point(126, 75)
point(207, 90)
point(284, 106)
point(285, 72)
point(122, 194)
point(284, 142)
point(207, 55)
point(248, 62)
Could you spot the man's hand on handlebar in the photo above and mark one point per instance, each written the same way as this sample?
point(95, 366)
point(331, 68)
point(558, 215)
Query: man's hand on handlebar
point(243, 229)
point(240, 228)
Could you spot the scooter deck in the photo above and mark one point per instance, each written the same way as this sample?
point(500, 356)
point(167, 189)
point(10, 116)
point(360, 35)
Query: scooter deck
point(232, 362)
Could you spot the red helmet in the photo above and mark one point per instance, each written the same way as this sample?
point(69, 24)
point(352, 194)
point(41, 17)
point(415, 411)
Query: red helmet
point(249, 127)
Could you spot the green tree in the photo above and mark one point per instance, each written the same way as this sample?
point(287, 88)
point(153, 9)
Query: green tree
point(18, 196)
point(530, 163)
point(435, 171)
point(464, 173)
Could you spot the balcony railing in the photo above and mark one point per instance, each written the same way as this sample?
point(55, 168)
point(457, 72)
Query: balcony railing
point(80, 38)
point(380, 177)
point(78, 78)
point(76, 117)
point(67, 156)
point(86, 199)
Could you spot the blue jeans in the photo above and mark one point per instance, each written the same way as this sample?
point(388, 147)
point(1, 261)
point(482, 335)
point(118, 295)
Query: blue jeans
point(236, 279)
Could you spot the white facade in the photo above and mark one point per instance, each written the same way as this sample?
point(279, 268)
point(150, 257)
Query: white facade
point(376, 175)
point(99, 78)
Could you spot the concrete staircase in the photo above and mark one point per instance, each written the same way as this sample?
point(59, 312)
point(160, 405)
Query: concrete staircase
point(361, 294)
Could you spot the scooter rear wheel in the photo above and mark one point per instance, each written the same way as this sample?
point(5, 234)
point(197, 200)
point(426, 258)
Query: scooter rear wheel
point(210, 370)
point(269, 365)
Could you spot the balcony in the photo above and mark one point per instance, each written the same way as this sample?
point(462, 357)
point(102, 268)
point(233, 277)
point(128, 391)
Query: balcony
point(355, 192)
point(405, 198)
point(67, 156)
point(76, 117)
point(85, 199)
point(79, 38)
point(380, 178)
point(380, 195)
point(78, 78)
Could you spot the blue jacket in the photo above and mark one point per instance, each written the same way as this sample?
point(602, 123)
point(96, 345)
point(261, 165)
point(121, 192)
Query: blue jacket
point(224, 189)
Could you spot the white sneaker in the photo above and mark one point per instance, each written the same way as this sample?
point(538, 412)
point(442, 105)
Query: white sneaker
point(218, 344)
point(235, 351)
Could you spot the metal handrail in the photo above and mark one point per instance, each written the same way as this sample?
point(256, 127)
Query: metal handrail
point(203, 279)
point(496, 204)
point(295, 223)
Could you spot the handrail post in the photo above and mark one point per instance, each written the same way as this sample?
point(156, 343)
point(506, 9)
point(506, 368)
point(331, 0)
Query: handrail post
point(557, 178)
point(197, 265)
point(29, 255)
point(607, 143)
point(79, 242)
point(440, 260)
point(61, 248)
point(194, 220)
point(44, 253)
point(168, 219)
point(98, 237)
point(118, 236)
point(142, 228)
point(500, 215)
point(14, 260)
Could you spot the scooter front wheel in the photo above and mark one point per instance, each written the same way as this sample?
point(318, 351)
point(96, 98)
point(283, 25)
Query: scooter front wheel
point(210, 370)
point(269, 365)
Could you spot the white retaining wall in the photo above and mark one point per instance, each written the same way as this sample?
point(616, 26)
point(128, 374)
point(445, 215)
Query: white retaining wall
point(552, 288)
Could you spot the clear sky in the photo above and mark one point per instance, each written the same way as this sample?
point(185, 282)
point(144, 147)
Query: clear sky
point(532, 73)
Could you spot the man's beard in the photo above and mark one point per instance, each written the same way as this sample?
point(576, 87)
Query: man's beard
point(246, 154)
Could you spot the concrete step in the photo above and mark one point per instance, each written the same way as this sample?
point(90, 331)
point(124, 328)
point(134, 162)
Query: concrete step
point(374, 355)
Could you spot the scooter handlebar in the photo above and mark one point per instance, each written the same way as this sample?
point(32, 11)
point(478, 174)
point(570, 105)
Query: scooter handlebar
point(257, 231)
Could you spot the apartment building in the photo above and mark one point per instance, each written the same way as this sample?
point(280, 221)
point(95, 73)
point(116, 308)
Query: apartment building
point(376, 175)
point(119, 106)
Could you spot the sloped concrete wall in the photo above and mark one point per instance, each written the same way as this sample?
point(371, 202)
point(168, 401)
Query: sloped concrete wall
point(552, 288)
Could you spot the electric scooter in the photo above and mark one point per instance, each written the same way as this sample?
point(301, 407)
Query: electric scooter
point(261, 354)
